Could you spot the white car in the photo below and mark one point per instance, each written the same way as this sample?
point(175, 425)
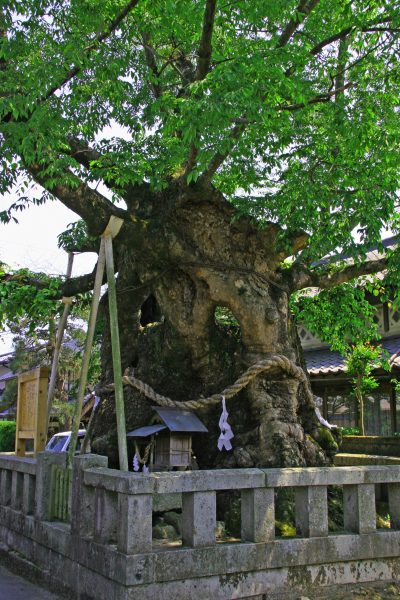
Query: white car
point(60, 441)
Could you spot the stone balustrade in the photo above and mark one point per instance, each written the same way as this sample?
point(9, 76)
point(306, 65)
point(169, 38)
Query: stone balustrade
point(17, 483)
point(107, 550)
point(122, 502)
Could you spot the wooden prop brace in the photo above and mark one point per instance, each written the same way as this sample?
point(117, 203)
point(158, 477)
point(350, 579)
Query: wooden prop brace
point(59, 338)
point(106, 260)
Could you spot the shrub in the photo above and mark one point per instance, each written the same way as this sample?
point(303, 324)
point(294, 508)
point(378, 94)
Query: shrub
point(7, 436)
point(351, 431)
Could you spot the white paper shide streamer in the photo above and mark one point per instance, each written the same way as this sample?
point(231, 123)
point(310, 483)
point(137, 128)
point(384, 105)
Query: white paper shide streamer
point(136, 465)
point(224, 440)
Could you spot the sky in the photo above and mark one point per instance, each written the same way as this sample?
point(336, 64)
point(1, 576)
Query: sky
point(32, 243)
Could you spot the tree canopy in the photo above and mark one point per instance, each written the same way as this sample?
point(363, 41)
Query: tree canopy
point(289, 109)
point(240, 143)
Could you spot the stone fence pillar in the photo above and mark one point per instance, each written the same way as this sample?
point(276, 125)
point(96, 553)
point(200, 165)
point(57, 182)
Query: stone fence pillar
point(311, 508)
point(198, 519)
point(83, 497)
point(43, 491)
point(258, 515)
point(359, 512)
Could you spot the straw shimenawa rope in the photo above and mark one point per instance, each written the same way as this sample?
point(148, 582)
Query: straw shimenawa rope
point(262, 366)
point(144, 460)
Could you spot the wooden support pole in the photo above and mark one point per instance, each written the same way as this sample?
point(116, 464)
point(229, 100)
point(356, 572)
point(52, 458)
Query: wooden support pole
point(116, 353)
point(60, 335)
point(87, 351)
point(89, 428)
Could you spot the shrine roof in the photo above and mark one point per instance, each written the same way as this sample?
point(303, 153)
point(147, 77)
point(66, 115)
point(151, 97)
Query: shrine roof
point(146, 431)
point(180, 420)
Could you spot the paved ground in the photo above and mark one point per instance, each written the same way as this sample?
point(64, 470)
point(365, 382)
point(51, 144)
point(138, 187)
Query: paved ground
point(13, 587)
point(388, 591)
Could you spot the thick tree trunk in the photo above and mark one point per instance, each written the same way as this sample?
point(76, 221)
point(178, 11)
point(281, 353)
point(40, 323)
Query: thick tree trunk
point(193, 258)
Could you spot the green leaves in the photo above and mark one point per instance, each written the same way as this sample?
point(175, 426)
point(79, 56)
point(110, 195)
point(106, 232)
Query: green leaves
point(309, 132)
point(27, 296)
point(74, 237)
point(362, 359)
point(341, 317)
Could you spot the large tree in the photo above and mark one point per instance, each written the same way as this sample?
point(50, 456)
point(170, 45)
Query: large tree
point(240, 142)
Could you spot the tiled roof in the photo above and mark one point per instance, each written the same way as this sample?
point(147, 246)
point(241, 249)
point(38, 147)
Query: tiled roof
point(371, 253)
point(325, 362)
point(7, 376)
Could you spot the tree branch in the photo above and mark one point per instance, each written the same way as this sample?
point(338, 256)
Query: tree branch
point(150, 57)
point(301, 277)
point(330, 40)
point(204, 54)
point(85, 155)
point(82, 152)
point(99, 37)
point(237, 131)
point(241, 123)
point(203, 65)
point(345, 32)
point(220, 157)
point(303, 9)
point(191, 162)
point(89, 204)
point(79, 285)
point(70, 287)
point(317, 99)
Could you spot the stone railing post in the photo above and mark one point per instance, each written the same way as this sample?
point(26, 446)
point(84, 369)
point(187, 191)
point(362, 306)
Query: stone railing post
point(82, 505)
point(123, 507)
point(258, 514)
point(394, 504)
point(17, 488)
point(43, 491)
point(198, 518)
point(5, 487)
point(311, 510)
point(135, 523)
point(106, 516)
point(28, 497)
point(359, 512)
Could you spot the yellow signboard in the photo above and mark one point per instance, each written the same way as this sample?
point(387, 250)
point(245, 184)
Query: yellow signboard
point(31, 410)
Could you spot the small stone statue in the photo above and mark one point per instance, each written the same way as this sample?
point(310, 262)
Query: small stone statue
point(324, 422)
point(224, 440)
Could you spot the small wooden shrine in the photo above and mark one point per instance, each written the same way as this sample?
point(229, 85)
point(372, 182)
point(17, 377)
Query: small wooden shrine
point(169, 438)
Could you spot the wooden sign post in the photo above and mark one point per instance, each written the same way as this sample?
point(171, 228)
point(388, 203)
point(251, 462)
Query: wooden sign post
point(31, 410)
